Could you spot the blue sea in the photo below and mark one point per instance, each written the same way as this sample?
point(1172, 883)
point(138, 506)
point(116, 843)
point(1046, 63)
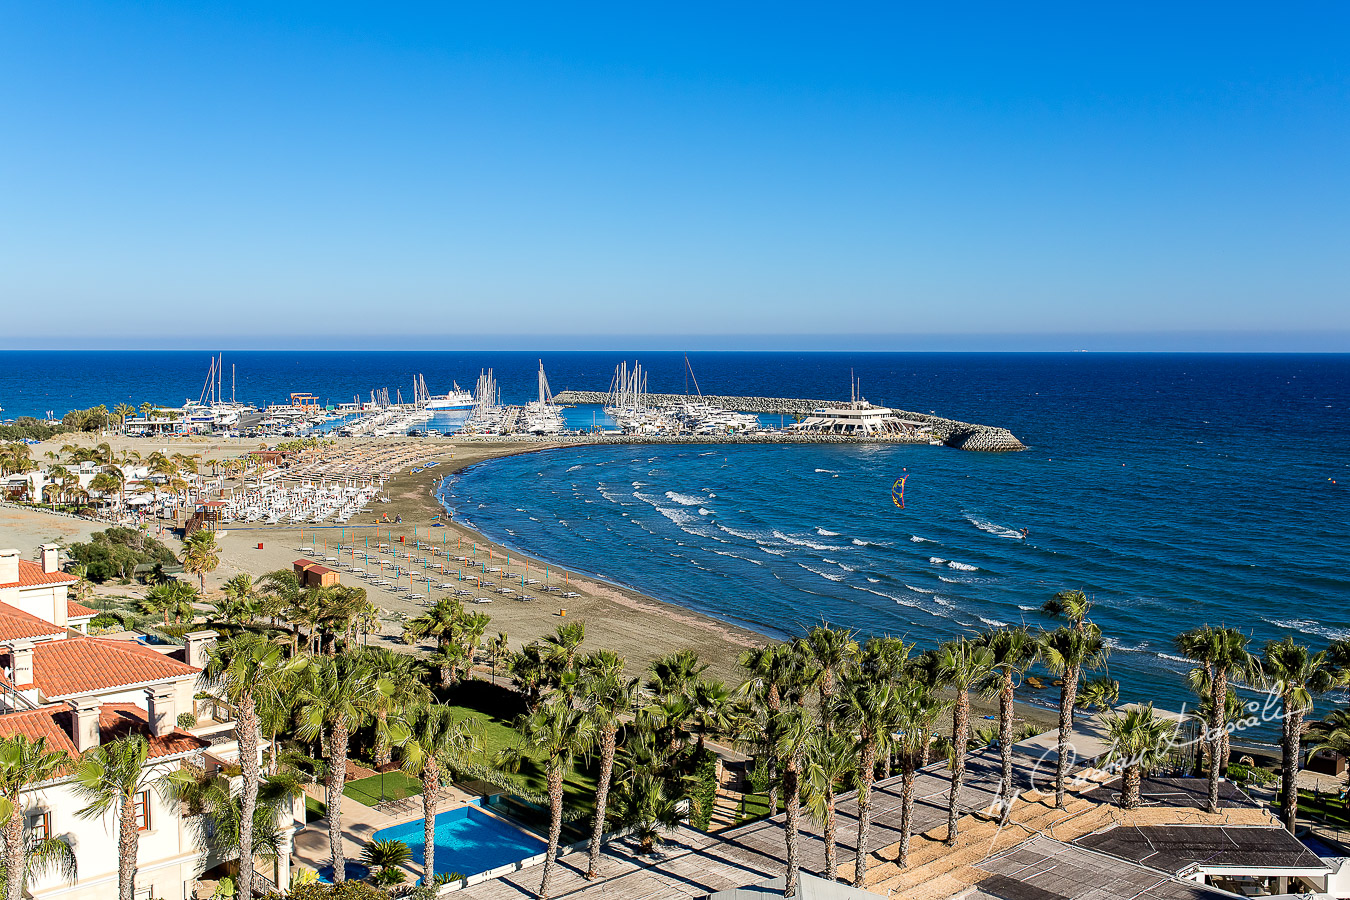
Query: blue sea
point(1175, 489)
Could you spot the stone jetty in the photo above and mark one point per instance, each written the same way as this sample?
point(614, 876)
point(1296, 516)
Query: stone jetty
point(951, 432)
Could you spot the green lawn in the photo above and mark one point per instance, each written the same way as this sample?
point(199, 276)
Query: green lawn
point(377, 788)
point(1327, 808)
point(753, 806)
point(314, 809)
point(497, 707)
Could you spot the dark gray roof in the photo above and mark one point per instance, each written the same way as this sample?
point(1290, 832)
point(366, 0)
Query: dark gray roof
point(1182, 848)
point(1045, 869)
point(809, 887)
point(1190, 793)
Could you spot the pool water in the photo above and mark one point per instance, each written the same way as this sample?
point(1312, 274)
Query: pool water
point(467, 841)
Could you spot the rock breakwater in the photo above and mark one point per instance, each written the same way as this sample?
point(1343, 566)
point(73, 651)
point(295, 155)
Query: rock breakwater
point(951, 432)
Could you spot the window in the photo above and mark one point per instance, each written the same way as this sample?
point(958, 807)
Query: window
point(143, 811)
point(40, 824)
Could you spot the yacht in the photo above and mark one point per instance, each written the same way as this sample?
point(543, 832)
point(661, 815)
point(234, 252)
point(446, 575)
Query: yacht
point(457, 399)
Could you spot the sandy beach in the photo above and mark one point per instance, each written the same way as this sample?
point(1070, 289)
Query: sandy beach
point(638, 627)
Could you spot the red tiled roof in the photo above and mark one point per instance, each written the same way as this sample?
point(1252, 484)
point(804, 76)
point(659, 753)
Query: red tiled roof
point(55, 722)
point(31, 575)
point(83, 665)
point(17, 625)
point(76, 611)
point(304, 563)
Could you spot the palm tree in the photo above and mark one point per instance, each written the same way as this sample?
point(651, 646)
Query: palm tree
point(828, 760)
point(791, 729)
point(246, 670)
point(436, 745)
point(646, 806)
point(172, 596)
point(241, 593)
point(338, 696)
point(1223, 653)
point(406, 693)
point(1072, 605)
point(772, 672)
point(441, 622)
point(24, 763)
point(868, 709)
point(122, 410)
point(40, 856)
point(529, 671)
point(201, 555)
point(498, 648)
point(565, 641)
point(1296, 674)
point(964, 663)
point(1013, 651)
point(1068, 651)
point(217, 811)
point(834, 650)
point(558, 733)
point(917, 710)
point(1140, 740)
point(1099, 694)
point(607, 695)
point(109, 777)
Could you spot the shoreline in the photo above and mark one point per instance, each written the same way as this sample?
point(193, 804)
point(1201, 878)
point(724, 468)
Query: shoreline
point(621, 618)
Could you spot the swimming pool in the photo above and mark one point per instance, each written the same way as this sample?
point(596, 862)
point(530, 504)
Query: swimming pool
point(468, 841)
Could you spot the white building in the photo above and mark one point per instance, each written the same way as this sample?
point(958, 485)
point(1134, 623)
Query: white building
point(77, 691)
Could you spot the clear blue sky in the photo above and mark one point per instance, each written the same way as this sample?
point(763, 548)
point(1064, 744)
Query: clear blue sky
point(1131, 175)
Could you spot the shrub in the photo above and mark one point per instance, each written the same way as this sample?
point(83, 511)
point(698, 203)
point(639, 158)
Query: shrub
point(116, 552)
point(703, 789)
point(187, 721)
point(348, 890)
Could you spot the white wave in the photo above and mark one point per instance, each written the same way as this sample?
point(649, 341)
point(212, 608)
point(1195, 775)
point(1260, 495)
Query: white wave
point(830, 576)
point(875, 580)
point(937, 560)
point(639, 484)
point(773, 552)
point(743, 535)
point(737, 556)
point(683, 499)
point(574, 468)
point(1308, 626)
point(992, 528)
point(1180, 659)
point(709, 453)
point(943, 601)
point(858, 542)
point(962, 567)
point(952, 580)
point(919, 590)
point(992, 623)
point(1025, 608)
point(788, 539)
point(827, 471)
point(921, 540)
point(846, 568)
point(678, 516)
point(824, 533)
point(704, 511)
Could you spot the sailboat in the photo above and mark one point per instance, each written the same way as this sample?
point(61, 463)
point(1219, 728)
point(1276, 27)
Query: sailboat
point(542, 416)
